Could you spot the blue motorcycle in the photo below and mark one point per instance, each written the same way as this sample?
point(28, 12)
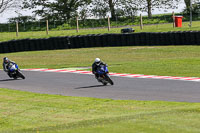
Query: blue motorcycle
point(14, 71)
point(104, 76)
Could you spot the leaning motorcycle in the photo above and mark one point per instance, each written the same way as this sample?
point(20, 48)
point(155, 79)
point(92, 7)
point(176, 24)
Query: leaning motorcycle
point(15, 71)
point(104, 76)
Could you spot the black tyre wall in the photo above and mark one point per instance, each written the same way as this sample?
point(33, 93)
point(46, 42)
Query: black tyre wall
point(103, 40)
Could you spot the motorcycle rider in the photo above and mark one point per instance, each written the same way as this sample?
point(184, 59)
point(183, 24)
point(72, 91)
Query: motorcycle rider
point(6, 63)
point(97, 63)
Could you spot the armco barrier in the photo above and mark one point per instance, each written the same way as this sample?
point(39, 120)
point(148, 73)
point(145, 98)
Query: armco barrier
point(103, 40)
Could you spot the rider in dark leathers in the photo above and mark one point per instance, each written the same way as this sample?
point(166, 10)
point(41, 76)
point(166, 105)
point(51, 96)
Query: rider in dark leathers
point(6, 63)
point(97, 63)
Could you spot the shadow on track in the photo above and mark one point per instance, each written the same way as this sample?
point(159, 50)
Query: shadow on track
point(4, 80)
point(93, 86)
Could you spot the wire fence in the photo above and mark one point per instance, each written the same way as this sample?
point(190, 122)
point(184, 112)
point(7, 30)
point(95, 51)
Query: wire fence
point(61, 25)
point(89, 23)
point(52, 25)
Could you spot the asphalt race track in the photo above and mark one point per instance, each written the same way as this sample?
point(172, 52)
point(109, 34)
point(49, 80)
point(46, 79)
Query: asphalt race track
point(72, 84)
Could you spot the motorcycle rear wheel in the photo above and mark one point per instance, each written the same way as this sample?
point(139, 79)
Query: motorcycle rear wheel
point(104, 83)
point(21, 75)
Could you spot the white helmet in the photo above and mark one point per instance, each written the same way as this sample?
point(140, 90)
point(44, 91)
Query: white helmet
point(97, 60)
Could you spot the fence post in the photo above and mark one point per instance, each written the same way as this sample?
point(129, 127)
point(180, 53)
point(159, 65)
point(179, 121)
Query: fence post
point(108, 23)
point(141, 22)
point(77, 25)
point(17, 29)
point(173, 17)
point(47, 27)
point(190, 14)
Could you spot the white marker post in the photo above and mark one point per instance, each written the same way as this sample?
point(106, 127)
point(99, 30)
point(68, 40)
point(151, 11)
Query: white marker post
point(77, 25)
point(47, 27)
point(141, 22)
point(108, 23)
point(190, 13)
point(17, 29)
point(173, 17)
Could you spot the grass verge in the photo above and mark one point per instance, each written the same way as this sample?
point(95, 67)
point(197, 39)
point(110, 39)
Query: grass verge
point(5, 36)
point(24, 112)
point(154, 60)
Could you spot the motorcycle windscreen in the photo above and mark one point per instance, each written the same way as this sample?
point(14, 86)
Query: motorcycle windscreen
point(13, 67)
point(102, 70)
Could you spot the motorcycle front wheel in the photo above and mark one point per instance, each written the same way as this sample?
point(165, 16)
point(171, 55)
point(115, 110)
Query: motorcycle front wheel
point(109, 80)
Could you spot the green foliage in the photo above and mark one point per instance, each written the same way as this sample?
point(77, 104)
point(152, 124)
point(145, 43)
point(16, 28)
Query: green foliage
point(195, 9)
point(64, 27)
point(54, 10)
point(9, 4)
point(153, 21)
point(117, 8)
point(22, 19)
point(149, 5)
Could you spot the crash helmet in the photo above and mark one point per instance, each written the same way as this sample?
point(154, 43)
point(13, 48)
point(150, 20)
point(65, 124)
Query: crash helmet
point(97, 61)
point(5, 60)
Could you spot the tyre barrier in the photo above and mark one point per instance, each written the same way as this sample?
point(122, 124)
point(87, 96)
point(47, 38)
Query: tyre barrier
point(103, 40)
point(98, 40)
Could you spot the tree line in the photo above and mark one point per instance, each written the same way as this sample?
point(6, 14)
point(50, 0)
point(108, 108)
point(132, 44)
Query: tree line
point(67, 9)
point(70, 9)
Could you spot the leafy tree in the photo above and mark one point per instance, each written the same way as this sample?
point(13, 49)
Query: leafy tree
point(111, 4)
point(195, 7)
point(129, 7)
point(57, 9)
point(84, 12)
point(149, 5)
point(101, 8)
point(187, 3)
point(6, 4)
point(22, 19)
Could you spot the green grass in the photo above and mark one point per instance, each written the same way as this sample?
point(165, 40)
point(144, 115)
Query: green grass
point(154, 60)
point(24, 112)
point(5, 36)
